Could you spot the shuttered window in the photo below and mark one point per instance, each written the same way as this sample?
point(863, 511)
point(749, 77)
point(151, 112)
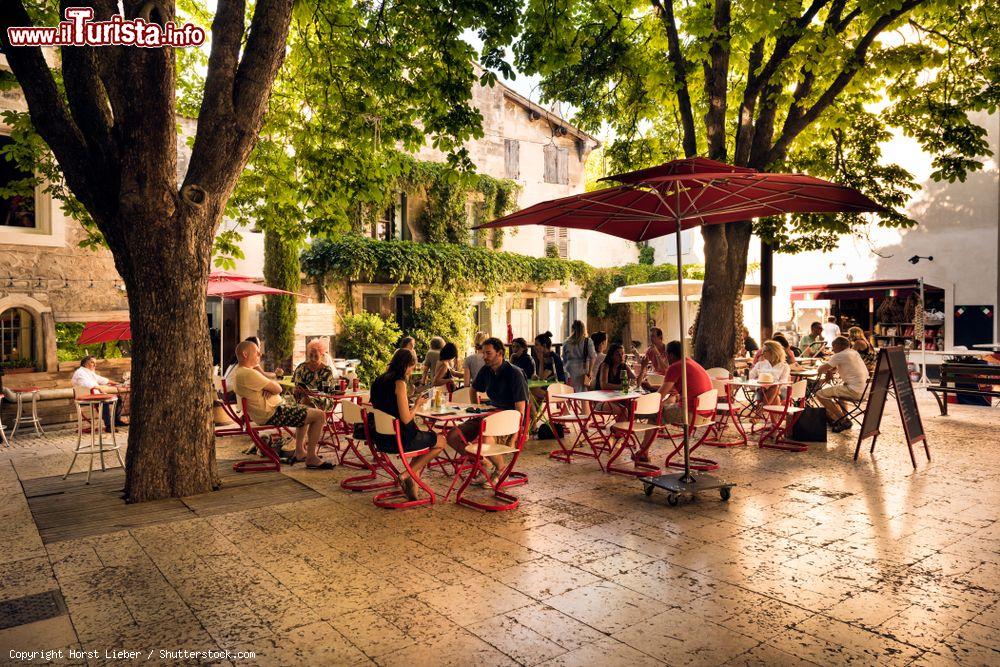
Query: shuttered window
point(512, 159)
point(558, 238)
point(556, 165)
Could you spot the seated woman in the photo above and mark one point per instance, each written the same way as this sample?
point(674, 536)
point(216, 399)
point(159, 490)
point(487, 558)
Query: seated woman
point(772, 362)
point(313, 375)
point(520, 357)
point(445, 372)
point(609, 377)
point(548, 365)
point(863, 346)
point(388, 394)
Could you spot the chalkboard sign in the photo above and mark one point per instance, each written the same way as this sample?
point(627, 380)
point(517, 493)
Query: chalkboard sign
point(891, 373)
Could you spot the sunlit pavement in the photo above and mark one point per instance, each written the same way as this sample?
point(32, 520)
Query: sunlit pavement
point(815, 559)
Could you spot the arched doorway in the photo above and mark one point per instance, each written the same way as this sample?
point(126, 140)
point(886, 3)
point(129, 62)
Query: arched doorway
point(17, 339)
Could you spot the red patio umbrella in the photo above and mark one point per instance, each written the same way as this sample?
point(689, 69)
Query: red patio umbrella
point(104, 332)
point(222, 274)
point(678, 195)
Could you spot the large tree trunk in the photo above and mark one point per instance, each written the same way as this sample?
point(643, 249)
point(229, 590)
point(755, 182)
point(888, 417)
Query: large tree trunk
point(171, 440)
point(726, 248)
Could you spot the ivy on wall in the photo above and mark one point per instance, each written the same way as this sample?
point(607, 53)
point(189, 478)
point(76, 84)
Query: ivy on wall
point(447, 193)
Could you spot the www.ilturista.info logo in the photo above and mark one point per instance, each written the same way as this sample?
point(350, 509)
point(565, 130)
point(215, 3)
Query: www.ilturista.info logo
point(79, 30)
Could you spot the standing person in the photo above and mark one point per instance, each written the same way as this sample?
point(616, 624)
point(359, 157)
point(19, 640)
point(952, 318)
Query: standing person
point(830, 329)
point(578, 356)
point(474, 362)
point(812, 343)
point(749, 344)
point(507, 389)
point(862, 346)
point(446, 374)
point(520, 357)
point(85, 378)
point(673, 404)
point(264, 403)
point(388, 394)
point(854, 375)
point(600, 340)
point(655, 357)
point(432, 356)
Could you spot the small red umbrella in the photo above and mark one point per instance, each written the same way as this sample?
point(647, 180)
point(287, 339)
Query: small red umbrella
point(104, 332)
point(222, 274)
point(679, 195)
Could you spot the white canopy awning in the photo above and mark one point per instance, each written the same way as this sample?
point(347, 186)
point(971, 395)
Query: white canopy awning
point(667, 291)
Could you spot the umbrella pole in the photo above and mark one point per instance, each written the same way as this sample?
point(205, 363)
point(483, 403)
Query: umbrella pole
point(222, 334)
point(686, 477)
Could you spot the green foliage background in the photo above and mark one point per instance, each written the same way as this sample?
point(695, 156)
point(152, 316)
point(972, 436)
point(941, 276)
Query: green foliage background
point(370, 339)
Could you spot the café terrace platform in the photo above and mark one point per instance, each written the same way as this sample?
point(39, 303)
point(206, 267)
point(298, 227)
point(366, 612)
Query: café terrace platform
point(815, 560)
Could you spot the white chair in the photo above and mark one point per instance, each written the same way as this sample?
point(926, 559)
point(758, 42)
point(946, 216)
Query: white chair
point(463, 395)
point(655, 380)
point(22, 418)
point(701, 419)
point(717, 373)
point(3, 435)
point(507, 424)
point(629, 433)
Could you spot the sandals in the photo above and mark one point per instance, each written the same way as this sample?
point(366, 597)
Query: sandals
point(325, 465)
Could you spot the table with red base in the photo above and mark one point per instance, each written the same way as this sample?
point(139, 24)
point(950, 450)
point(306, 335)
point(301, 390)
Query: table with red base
point(592, 430)
point(444, 419)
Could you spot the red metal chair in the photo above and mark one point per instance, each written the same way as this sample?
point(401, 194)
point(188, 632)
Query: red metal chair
point(701, 419)
point(497, 425)
point(271, 461)
point(229, 409)
point(727, 414)
point(354, 415)
point(561, 413)
point(783, 418)
point(629, 432)
point(386, 424)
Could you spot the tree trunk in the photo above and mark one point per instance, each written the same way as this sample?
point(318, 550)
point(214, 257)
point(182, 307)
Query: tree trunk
point(726, 248)
point(171, 448)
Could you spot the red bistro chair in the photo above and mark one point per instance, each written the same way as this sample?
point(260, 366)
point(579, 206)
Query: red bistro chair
point(561, 413)
point(354, 415)
point(496, 425)
point(271, 461)
point(229, 409)
point(629, 433)
point(386, 424)
point(783, 418)
point(702, 419)
point(336, 427)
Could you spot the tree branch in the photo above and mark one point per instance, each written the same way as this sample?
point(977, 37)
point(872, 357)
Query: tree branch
point(744, 121)
point(680, 67)
point(49, 113)
point(788, 36)
point(717, 79)
point(798, 119)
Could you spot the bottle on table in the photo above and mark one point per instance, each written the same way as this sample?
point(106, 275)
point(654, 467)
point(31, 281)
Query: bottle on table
point(624, 380)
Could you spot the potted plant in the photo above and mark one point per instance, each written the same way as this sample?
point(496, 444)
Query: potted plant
point(18, 366)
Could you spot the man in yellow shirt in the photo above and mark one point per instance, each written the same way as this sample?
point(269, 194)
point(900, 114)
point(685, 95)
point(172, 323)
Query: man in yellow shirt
point(264, 403)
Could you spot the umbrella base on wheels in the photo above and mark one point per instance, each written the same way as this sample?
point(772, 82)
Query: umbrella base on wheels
point(675, 486)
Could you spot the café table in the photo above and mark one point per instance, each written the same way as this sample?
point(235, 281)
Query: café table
point(591, 429)
point(444, 419)
point(752, 410)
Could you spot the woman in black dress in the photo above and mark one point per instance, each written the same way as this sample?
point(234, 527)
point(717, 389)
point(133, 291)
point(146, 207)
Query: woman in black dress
point(388, 394)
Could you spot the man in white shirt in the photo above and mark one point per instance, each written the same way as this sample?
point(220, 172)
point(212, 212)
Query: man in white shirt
point(854, 376)
point(85, 380)
point(830, 329)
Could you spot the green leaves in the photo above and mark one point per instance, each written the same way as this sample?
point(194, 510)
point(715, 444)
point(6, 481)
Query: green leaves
point(370, 339)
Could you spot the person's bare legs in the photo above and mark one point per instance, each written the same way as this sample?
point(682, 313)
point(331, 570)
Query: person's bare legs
point(314, 425)
point(418, 464)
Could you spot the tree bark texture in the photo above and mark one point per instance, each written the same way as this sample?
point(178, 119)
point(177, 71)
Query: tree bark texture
point(726, 249)
point(114, 136)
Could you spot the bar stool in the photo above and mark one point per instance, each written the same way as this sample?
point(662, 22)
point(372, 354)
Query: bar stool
point(3, 435)
point(21, 418)
point(94, 404)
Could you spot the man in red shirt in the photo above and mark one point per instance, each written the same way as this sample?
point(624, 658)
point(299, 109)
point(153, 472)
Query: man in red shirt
point(698, 382)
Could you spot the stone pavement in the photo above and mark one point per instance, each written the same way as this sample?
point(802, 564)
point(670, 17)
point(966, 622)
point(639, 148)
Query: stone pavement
point(815, 560)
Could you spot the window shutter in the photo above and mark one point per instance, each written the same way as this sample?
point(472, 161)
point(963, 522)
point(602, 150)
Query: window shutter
point(563, 160)
point(562, 241)
point(512, 158)
point(551, 174)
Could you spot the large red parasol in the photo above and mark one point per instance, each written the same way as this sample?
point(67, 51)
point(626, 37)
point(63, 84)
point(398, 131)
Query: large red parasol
point(104, 332)
point(679, 195)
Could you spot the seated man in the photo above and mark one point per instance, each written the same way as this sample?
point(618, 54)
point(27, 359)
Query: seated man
point(264, 403)
point(85, 379)
point(698, 382)
point(854, 375)
point(813, 342)
point(507, 389)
